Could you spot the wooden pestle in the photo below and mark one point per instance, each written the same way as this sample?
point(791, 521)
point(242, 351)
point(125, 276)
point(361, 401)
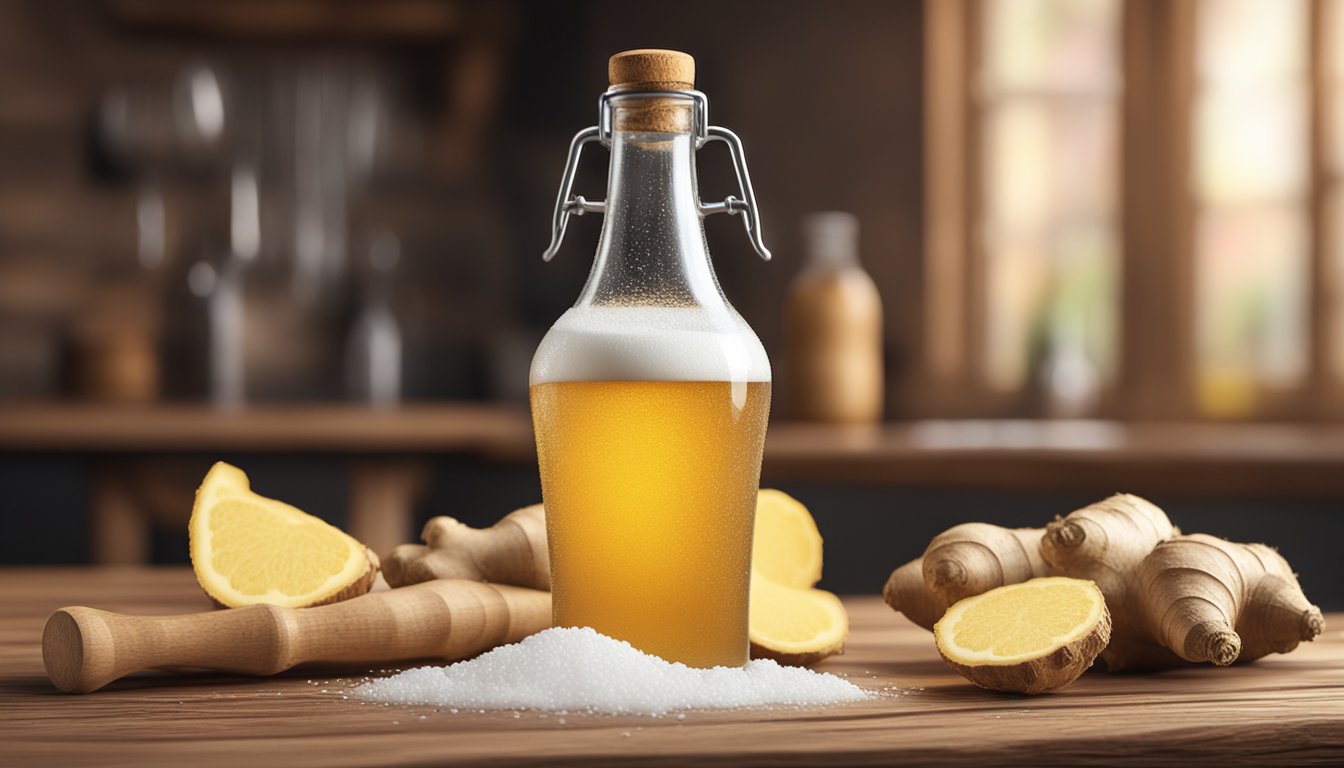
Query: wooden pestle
point(85, 649)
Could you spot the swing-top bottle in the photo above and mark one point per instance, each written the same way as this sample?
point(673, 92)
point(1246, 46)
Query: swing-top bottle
point(650, 395)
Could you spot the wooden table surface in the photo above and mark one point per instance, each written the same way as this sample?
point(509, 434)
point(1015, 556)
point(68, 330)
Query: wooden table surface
point(1281, 710)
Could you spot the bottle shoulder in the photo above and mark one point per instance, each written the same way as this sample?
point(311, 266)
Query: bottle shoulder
point(650, 344)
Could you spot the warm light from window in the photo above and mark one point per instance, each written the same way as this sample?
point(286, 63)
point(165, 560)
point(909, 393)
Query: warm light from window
point(1048, 103)
point(1333, 90)
point(1251, 150)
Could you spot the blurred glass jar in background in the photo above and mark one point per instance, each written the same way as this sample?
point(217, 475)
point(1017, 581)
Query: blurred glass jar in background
point(266, 293)
point(374, 346)
point(113, 345)
point(833, 328)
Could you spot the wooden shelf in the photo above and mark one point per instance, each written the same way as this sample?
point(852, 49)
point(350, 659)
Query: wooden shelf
point(1268, 460)
point(1245, 459)
point(445, 428)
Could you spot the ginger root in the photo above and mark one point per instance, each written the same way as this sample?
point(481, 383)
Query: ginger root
point(1105, 542)
point(972, 558)
point(1208, 599)
point(965, 560)
point(907, 593)
point(512, 551)
point(1173, 598)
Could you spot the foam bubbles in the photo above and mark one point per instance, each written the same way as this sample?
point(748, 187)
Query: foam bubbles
point(649, 344)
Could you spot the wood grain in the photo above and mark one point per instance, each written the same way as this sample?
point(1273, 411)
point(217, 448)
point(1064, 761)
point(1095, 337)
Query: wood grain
point(84, 649)
point(1280, 710)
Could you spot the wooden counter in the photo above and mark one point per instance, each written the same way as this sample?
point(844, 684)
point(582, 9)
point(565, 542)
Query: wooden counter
point(1281, 710)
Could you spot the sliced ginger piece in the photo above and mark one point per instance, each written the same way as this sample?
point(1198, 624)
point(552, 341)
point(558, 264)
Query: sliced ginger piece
point(248, 549)
point(798, 627)
point(786, 548)
point(1026, 638)
point(789, 621)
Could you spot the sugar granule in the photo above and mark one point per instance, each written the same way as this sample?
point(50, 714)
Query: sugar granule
point(585, 671)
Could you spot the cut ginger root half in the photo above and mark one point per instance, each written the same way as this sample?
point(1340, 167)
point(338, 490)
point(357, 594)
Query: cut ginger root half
point(248, 549)
point(790, 621)
point(1026, 638)
point(797, 627)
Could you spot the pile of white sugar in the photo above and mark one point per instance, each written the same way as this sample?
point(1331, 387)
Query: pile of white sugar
point(580, 670)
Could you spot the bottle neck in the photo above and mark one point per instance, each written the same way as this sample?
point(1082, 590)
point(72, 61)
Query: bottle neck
point(652, 251)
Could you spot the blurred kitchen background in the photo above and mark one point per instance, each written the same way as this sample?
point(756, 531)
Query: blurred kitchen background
point(304, 236)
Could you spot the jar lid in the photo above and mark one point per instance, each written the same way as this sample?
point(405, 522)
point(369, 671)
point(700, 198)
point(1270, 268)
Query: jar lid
point(651, 69)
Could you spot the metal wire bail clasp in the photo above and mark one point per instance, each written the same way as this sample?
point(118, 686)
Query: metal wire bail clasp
point(567, 203)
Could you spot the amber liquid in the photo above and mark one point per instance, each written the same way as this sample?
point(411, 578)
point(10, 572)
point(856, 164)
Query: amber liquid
point(650, 493)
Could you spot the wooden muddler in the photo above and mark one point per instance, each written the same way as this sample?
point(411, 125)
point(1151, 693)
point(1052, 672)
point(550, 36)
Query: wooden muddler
point(85, 649)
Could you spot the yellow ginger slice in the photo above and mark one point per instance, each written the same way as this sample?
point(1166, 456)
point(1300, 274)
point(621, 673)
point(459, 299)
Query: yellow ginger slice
point(248, 549)
point(222, 479)
point(794, 626)
point(1026, 638)
point(790, 622)
point(787, 545)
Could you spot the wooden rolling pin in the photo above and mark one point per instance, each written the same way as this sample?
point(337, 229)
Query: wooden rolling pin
point(85, 649)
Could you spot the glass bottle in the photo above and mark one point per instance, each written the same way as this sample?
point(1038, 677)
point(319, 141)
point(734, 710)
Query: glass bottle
point(650, 395)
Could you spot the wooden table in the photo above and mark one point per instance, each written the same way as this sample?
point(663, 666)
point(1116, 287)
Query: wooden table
point(1281, 710)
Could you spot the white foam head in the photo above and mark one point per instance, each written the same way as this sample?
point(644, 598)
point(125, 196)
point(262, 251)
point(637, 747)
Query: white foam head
point(590, 343)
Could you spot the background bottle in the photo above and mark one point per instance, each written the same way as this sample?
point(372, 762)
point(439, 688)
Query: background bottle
point(833, 328)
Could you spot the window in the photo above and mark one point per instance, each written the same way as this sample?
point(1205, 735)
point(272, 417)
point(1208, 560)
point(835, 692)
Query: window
point(1251, 187)
point(1330, 148)
point(1136, 199)
point(1046, 109)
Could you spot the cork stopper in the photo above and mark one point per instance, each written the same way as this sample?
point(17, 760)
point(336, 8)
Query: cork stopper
point(651, 69)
